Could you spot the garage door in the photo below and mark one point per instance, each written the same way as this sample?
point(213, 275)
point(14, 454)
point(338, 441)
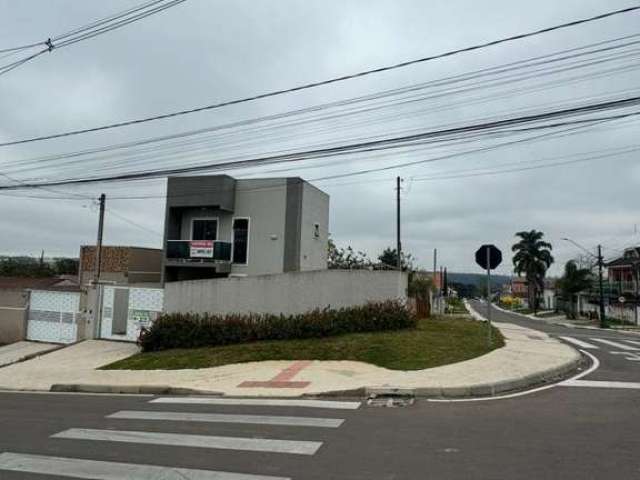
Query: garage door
point(53, 316)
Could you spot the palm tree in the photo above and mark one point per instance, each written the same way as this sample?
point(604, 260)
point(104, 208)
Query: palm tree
point(574, 281)
point(532, 259)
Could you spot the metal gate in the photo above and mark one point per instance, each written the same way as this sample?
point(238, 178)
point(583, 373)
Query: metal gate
point(53, 316)
point(125, 310)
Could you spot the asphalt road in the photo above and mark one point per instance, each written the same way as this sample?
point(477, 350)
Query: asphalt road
point(558, 433)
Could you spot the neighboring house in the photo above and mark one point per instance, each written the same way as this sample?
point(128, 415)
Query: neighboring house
point(217, 226)
point(14, 298)
point(624, 284)
point(121, 265)
point(519, 289)
point(549, 296)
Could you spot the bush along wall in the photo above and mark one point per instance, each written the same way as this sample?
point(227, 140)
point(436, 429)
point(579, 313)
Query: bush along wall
point(190, 330)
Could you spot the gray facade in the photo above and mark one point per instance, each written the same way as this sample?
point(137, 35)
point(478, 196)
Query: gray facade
point(284, 220)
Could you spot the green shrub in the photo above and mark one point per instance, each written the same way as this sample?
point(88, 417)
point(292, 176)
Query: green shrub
point(190, 330)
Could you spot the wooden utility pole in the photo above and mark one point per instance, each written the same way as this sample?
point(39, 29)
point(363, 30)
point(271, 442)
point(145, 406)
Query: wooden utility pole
point(97, 267)
point(398, 243)
point(98, 259)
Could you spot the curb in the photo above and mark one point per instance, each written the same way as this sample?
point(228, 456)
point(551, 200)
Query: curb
point(568, 324)
point(129, 389)
point(480, 390)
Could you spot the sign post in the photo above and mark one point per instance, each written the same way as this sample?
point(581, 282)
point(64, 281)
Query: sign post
point(489, 257)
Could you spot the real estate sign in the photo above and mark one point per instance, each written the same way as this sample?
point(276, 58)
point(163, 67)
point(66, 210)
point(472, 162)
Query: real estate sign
point(201, 249)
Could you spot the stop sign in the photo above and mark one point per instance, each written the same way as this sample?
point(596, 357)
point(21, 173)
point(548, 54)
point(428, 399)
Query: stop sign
point(489, 260)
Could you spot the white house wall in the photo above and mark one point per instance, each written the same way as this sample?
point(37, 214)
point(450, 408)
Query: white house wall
point(287, 293)
point(315, 210)
point(264, 203)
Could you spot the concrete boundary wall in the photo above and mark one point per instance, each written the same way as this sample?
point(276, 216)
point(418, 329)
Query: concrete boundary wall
point(287, 293)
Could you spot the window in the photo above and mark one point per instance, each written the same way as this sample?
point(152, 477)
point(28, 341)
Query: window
point(204, 229)
point(240, 240)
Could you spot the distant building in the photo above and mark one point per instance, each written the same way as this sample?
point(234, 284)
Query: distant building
point(217, 226)
point(623, 289)
point(121, 265)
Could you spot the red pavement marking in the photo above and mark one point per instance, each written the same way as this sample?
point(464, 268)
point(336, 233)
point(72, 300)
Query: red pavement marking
point(282, 379)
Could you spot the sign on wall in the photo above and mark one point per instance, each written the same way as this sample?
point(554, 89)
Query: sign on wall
point(201, 249)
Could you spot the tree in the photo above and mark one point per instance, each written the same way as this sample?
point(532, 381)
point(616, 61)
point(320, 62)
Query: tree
point(389, 257)
point(346, 258)
point(66, 266)
point(24, 267)
point(574, 281)
point(532, 259)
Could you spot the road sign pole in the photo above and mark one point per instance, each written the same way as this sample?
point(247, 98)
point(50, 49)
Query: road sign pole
point(489, 294)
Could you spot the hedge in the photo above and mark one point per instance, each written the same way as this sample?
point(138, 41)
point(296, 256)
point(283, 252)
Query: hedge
point(191, 330)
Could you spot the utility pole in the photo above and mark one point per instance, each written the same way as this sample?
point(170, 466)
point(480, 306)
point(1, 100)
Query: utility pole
point(98, 262)
point(489, 295)
point(398, 243)
point(98, 265)
point(445, 283)
point(603, 319)
point(435, 261)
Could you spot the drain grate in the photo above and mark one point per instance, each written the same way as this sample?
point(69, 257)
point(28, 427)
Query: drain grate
point(391, 397)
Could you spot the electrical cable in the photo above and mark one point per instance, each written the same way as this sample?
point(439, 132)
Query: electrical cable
point(351, 76)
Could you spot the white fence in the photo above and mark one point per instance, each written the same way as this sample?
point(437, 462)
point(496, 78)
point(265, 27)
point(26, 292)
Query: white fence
point(53, 316)
point(286, 293)
point(125, 310)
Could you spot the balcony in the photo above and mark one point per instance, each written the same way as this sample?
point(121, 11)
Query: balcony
point(198, 251)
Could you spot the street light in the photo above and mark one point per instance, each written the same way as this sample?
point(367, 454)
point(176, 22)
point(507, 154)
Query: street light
point(599, 259)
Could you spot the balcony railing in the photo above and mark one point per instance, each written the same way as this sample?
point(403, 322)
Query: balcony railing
point(198, 250)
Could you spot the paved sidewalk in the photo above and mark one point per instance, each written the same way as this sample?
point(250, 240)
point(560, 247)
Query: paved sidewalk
point(15, 352)
point(529, 357)
point(563, 321)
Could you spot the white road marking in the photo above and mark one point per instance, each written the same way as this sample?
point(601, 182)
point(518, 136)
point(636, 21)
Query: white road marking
point(595, 364)
point(633, 341)
point(259, 402)
point(621, 346)
point(631, 356)
point(600, 384)
point(299, 447)
point(580, 343)
point(225, 418)
point(96, 470)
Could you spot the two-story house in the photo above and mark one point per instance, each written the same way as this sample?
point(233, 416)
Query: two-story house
point(216, 226)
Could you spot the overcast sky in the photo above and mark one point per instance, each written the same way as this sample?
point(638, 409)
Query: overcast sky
point(206, 51)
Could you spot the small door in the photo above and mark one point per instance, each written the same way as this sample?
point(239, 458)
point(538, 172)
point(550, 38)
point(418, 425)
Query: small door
point(120, 311)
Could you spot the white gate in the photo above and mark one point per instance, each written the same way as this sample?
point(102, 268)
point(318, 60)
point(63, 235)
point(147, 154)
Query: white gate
point(53, 316)
point(125, 310)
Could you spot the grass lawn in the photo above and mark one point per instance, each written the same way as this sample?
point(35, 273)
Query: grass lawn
point(436, 341)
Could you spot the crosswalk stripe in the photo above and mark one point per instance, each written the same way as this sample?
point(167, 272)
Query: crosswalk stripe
point(580, 343)
point(615, 344)
point(633, 341)
point(259, 402)
point(299, 447)
point(601, 384)
point(225, 418)
point(98, 470)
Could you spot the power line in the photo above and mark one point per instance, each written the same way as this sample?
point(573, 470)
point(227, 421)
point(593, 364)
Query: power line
point(91, 30)
point(371, 145)
point(331, 80)
point(131, 222)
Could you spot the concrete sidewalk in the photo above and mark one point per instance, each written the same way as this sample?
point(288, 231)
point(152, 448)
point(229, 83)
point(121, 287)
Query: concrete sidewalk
point(529, 358)
point(563, 321)
point(18, 351)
